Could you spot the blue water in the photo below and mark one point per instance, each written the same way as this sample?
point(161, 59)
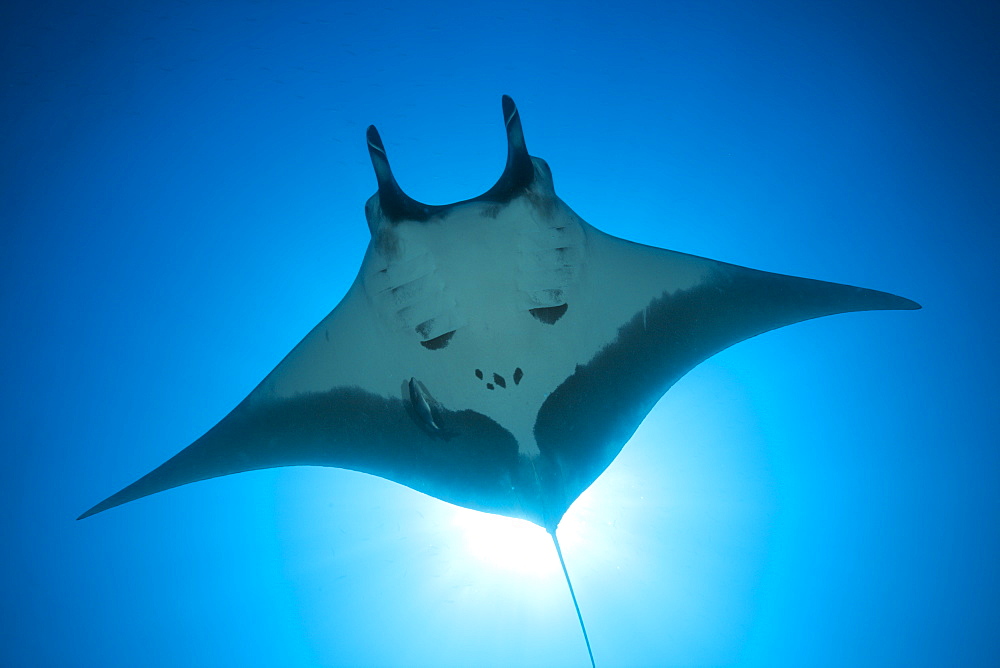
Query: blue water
point(181, 193)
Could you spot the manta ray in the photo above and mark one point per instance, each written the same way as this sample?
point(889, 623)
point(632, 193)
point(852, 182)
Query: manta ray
point(496, 353)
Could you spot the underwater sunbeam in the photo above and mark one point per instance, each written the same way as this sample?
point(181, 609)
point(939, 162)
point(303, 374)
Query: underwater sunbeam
point(510, 544)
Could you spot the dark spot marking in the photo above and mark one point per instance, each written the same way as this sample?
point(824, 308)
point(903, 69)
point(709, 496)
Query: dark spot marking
point(499, 380)
point(479, 374)
point(518, 375)
point(549, 314)
point(489, 386)
point(438, 342)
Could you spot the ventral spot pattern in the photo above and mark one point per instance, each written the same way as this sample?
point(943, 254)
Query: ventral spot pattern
point(498, 381)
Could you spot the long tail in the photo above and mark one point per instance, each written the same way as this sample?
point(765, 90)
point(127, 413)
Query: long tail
point(562, 562)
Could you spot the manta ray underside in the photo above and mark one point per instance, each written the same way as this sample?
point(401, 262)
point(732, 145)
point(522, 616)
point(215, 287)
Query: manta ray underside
point(495, 353)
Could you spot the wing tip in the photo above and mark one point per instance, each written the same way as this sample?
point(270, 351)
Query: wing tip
point(897, 303)
point(107, 503)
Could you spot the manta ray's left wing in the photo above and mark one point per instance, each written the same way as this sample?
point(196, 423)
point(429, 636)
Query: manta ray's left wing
point(341, 399)
point(673, 311)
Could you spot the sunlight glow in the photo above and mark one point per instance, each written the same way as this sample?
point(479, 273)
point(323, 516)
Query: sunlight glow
point(511, 544)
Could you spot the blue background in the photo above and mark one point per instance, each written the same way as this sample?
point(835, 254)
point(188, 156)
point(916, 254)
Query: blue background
point(181, 192)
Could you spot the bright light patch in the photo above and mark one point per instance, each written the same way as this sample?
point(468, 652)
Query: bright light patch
point(503, 542)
